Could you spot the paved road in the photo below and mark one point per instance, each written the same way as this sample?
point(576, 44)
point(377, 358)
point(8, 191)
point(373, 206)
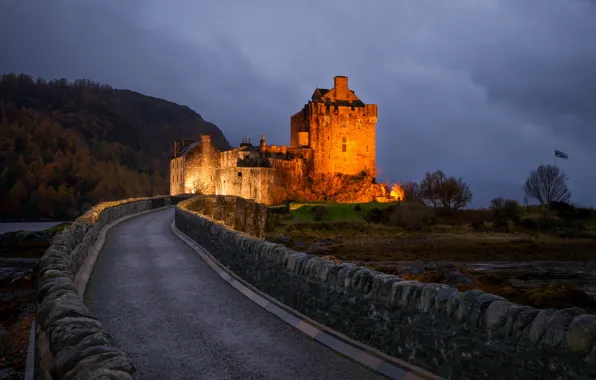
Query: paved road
point(179, 320)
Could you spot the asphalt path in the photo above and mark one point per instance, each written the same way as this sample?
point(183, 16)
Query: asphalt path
point(178, 319)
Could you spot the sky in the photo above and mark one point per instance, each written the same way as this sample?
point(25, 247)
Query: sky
point(483, 89)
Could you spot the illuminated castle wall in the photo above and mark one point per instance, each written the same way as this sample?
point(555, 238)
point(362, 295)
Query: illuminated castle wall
point(333, 133)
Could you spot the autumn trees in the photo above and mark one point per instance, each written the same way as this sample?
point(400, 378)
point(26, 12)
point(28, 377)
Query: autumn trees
point(65, 147)
point(437, 189)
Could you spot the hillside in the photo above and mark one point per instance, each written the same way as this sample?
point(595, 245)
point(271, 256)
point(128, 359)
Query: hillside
point(66, 146)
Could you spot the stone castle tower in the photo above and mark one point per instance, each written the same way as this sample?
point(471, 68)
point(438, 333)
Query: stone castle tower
point(339, 128)
point(333, 133)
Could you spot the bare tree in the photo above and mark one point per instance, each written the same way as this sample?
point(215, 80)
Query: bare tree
point(429, 187)
point(450, 192)
point(547, 184)
point(411, 191)
point(198, 187)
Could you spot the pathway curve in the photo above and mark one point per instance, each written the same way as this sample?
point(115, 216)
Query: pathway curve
point(179, 320)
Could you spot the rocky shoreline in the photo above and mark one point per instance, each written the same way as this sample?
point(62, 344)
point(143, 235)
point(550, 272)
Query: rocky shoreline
point(19, 255)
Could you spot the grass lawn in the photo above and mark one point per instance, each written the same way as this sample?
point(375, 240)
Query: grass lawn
point(303, 212)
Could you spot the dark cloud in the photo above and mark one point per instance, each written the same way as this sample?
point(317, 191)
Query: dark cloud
point(481, 89)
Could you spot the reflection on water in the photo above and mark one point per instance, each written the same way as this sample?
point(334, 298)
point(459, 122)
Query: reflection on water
point(25, 226)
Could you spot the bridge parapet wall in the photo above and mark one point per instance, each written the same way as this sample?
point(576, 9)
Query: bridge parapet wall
point(71, 342)
point(244, 215)
point(453, 334)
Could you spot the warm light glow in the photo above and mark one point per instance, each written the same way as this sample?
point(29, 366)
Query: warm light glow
point(397, 193)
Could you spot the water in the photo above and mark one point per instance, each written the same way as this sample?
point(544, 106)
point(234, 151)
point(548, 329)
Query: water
point(25, 226)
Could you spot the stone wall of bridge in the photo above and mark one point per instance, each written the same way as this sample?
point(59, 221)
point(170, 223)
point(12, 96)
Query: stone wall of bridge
point(243, 215)
point(453, 334)
point(71, 343)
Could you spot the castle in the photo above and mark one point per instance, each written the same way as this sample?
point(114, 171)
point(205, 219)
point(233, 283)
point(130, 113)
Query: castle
point(333, 133)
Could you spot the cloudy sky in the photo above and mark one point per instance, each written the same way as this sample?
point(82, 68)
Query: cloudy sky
point(483, 89)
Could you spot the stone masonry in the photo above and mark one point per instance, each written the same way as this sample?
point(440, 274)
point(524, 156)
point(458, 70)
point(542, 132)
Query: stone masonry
point(333, 133)
point(244, 215)
point(71, 343)
point(457, 335)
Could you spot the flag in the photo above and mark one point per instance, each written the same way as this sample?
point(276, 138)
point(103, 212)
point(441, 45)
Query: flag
point(560, 154)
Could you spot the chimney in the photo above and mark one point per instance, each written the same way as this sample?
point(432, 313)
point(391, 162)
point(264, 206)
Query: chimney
point(176, 147)
point(341, 87)
point(205, 140)
point(206, 150)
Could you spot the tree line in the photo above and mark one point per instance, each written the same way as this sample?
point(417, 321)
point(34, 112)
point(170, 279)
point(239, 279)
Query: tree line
point(65, 146)
point(547, 185)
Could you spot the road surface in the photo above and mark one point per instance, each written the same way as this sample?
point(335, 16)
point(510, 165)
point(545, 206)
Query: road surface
point(179, 320)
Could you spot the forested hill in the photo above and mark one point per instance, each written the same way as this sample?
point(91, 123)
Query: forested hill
point(66, 146)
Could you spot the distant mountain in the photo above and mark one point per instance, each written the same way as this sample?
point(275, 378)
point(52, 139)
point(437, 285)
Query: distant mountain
point(66, 146)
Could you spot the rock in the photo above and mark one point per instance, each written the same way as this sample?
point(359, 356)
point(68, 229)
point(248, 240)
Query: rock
point(282, 239)
point(68, 332)
point(102, 364)
point(455, 278)
point(581, 334)
point(68, 358)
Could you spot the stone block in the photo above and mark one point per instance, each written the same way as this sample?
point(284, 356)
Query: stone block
point(94, 365)
point(70, 331)
point(555, 333)
point(581, 334)
point(496, 314)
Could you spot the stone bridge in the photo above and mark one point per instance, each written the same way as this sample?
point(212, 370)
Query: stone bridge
point(166, 288)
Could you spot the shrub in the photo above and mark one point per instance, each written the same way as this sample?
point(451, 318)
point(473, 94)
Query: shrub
point(374, 215)
point(504, 210)
point(530, 224)
point(411, 216)
point(272, 222)
point(357, 208)
point(560, 295)
point(479, 225)
point(280, 210)
point(319, 212)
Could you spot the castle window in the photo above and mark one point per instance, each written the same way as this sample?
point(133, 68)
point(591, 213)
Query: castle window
point(367, 148)
point(343, 139)
point(343, 147)
point(239, 174)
